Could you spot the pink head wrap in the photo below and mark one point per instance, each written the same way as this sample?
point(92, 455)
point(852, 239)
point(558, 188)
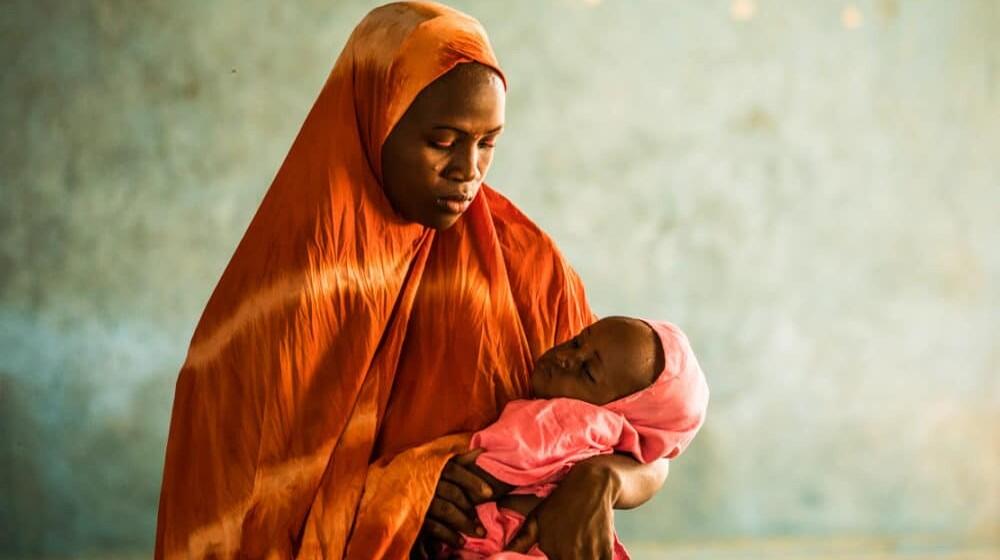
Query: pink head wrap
point(662, 419)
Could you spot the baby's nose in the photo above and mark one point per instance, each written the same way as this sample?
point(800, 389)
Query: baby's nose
point(567, 359)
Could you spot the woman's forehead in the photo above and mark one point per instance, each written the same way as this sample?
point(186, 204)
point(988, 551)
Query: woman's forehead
point(465, 100)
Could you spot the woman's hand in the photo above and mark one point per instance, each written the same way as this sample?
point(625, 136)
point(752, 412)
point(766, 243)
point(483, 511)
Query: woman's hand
point(577, 519)
point(462, 487)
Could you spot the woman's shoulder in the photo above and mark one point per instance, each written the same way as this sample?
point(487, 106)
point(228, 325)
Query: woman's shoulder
point(540, 276)
point(516, 231)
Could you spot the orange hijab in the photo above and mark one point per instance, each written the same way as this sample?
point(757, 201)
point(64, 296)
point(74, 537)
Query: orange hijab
point(346, 354)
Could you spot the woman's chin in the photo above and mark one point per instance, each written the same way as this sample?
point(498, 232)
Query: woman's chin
point(440, 221)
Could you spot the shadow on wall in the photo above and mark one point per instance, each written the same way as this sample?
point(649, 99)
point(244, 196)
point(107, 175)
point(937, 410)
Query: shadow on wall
point(78, 458)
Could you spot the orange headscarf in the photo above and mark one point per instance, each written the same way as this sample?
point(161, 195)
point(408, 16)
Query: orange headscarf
point(347, 354)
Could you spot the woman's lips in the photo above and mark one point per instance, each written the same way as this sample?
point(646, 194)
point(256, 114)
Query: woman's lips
point(453, 204)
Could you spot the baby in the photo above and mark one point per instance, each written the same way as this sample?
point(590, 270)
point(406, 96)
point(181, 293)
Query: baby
point(621, 384)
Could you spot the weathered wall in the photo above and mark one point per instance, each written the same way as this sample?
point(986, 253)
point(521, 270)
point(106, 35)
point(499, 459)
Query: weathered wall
point(814, 202)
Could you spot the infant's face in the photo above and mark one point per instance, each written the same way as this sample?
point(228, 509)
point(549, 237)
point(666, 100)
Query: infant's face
point(604, 362)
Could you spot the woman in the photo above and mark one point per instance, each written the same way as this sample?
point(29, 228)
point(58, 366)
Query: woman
point(382, 305)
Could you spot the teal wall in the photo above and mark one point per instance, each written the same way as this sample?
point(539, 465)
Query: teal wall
point(811, 192)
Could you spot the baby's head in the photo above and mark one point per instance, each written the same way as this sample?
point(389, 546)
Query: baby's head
point(608, 360)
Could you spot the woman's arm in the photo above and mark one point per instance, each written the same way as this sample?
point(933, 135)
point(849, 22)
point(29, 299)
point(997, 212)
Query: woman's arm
point(632, 483)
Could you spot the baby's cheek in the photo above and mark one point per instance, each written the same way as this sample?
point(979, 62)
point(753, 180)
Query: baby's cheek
point(588, 393)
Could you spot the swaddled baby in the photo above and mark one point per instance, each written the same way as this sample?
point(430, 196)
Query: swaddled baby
point(620, 385)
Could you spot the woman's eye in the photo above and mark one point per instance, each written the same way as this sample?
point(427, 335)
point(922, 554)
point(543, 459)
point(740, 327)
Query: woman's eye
point(440, 145)
point(488, 145)
point(575, 342)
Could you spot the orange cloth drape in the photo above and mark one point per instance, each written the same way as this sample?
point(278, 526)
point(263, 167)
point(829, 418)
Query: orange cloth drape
point(345, 354)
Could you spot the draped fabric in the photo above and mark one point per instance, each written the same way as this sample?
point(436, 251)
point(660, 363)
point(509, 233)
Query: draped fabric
point(346, 354)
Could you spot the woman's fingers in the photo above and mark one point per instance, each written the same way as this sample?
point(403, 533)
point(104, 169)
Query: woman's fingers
point(474, 487)
point(419, 550)
point(447, 514)
point(453, 509)
point(454, 494)
point(526, 536)
point(469, 457)
point(468, 460)
point(441, 533)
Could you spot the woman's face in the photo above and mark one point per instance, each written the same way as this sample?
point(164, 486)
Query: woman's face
point(604, 362)
point(437, 155)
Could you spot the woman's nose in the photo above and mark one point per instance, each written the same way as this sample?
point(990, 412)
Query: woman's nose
point(465, 165)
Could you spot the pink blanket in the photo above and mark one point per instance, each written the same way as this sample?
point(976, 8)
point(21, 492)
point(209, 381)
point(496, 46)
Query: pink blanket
point(534, 443)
